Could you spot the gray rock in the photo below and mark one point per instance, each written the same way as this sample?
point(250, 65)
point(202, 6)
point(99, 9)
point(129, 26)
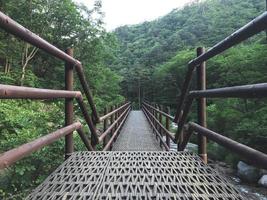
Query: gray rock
point(248, 173)
point(263, 181)
point(263, 172)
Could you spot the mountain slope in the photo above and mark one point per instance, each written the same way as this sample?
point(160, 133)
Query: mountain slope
point(206, 23)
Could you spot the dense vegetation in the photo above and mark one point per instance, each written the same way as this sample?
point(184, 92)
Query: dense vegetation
point(150, 57)
point(154, 55)
point(64, 24)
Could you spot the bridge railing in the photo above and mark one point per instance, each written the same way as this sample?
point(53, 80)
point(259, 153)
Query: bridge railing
point(247, 91)
point(112, 124)
point(116, 117)
point(185, 130)
point(155, 115)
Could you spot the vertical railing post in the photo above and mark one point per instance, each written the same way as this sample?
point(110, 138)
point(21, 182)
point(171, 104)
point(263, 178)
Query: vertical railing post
point(93, 138)
point(160, 121)
point(156, 117)
point(153, 114)
point(167, 125)
point(105, 126)
point(201, 106)
point(69, 105)
point(116, 117)
point(111, 122)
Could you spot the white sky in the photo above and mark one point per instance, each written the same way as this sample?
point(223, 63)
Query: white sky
point(122, 12)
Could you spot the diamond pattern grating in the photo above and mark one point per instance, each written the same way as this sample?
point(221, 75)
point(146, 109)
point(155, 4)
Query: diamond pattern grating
point(135, 175)
point(136, 135)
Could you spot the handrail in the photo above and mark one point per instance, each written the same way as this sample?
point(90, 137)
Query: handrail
point(167, 148)
point(107, 146)
point(244, 91)
point(13, 155)
point(254, 156)
point(159, 111)
point(113, 112)
point(252, 28)
point(18, 30)
point(104, 134)
point(157, 121)
point(186, 98)
point(18, 92)
point(255, 26)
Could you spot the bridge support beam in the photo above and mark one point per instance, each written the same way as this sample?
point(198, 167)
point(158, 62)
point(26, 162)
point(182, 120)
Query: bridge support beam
point(201, 107)
point(167, 125)
point(105, 127)
point(69, 146)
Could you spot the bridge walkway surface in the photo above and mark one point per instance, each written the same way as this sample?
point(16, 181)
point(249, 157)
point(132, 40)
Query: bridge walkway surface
point(136, 135)
point(136, 168)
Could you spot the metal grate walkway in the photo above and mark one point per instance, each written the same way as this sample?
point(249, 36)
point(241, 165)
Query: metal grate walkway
point(135, 175)
point(136, 135)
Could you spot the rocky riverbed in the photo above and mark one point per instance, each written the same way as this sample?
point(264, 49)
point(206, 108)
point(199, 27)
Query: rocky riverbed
point(251, 191)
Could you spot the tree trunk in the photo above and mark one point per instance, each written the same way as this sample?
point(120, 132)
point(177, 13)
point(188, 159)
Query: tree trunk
point(26, 58)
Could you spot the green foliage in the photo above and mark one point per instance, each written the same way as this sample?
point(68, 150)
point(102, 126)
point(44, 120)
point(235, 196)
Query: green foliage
point(19, 125)
point(197, 24)
point(163, 47)
point(64, 24)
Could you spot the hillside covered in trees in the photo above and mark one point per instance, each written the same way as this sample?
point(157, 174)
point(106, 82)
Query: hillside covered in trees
point(154, 56)
point(146, 47)
point(64, 24)
point(150, 57)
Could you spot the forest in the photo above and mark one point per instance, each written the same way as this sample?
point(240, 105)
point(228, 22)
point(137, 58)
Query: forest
point(64, 24)
point(154, 56)
point(151, 57)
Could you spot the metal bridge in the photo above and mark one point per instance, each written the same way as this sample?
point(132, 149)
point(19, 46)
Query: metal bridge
point(136, 161)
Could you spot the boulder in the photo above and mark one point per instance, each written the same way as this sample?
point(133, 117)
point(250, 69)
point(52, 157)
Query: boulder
point(248, 173)
point(263, 181)
point(263, 172)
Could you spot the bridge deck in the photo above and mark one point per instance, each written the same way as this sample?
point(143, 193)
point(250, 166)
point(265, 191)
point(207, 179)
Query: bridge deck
point(136, 135)
point(141, 171)
point(135, 175)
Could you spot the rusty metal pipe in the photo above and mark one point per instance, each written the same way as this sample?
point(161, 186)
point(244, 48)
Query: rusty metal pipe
point(156, 131)
point(183, 94)
point(18, 30)
point(244, 91)
point(113, 112)
point(86, 89)
point(69, 143)
point(159, 111)
point(167, 126)
point(13, 155)
point(110, 128)
point(253, 156)
point(18, 92)
point(167, 132)
point(109, 143)
point(253, 27)
point(85, 140)
point(87, 118)
point(105, 126)
point(201, 107)
point(186, 139)
point(182, 121)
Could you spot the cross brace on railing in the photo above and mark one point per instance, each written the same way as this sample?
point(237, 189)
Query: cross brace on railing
point(17, 92)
